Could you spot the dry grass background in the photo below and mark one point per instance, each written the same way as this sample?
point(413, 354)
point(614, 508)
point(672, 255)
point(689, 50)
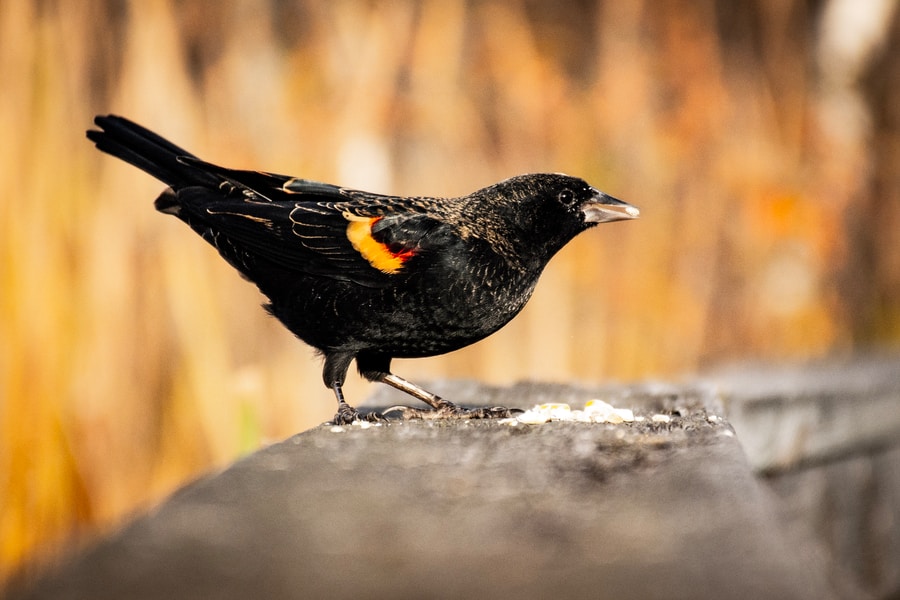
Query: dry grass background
point(759, 138)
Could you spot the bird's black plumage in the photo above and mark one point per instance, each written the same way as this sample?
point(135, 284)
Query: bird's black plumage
point(367, 276)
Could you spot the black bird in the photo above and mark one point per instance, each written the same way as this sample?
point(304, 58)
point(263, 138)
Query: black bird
point(366, 276)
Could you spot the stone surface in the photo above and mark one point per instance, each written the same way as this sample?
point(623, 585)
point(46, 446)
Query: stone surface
point(803, 502)
point(825, 439)
point(790, 416)
point(469, 509)
point(847, 512)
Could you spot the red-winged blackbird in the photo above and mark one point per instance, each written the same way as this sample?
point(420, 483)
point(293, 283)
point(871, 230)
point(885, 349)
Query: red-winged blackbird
point(370, 277)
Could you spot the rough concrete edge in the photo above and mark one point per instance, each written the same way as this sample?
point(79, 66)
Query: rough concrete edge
point(804, 415)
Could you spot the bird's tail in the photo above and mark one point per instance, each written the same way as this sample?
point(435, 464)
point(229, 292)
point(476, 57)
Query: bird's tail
point(147, 151)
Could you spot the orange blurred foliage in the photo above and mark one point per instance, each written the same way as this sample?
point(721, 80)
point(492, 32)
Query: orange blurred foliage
point(760, 140)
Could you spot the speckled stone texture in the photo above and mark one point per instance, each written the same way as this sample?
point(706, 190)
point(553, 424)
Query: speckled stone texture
point(470, 509)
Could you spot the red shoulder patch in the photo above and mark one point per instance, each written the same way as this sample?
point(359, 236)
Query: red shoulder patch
point(378, 254)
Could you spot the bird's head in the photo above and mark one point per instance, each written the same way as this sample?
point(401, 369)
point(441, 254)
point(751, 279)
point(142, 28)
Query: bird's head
point(540, 213)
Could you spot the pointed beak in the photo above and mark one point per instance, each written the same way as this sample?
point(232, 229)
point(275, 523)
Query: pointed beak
point(604, 209)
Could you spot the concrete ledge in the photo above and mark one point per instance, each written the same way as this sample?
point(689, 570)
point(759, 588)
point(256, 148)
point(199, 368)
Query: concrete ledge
point(825, 439)
point(788, 417)
point(433, 509)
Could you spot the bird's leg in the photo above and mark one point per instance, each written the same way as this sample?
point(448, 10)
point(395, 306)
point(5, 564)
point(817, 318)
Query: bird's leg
point(334, 373)
point(346, 414)
point(443, 409)
point(432, 400)
point(377, 367)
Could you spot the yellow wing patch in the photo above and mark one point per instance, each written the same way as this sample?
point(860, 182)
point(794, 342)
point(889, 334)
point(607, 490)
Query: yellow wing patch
point(380, 256)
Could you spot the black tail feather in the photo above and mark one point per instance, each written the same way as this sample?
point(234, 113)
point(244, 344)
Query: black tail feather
point(147, 151)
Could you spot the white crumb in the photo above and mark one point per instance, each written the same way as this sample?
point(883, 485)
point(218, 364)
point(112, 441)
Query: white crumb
point(595, 411)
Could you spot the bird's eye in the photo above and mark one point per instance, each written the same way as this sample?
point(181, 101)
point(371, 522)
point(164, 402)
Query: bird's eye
point(566, 197)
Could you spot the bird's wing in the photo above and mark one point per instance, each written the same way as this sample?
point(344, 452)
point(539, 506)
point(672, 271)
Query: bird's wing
point(307, 226)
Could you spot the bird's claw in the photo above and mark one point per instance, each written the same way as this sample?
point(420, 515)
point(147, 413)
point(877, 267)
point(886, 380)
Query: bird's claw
point(347, 415)
point(450, 411)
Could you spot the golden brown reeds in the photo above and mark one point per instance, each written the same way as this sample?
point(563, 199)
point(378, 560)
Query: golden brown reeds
point(132, 357)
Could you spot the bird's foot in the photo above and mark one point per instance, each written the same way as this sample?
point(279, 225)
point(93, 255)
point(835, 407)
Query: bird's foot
point(449, 411)
point(347, 415)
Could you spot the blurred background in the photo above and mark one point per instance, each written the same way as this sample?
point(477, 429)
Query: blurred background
point(760, 138)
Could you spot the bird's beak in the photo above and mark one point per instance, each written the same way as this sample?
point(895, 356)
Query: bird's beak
point(603, 209)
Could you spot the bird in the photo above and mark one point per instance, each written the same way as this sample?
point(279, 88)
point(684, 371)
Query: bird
point(372, 277)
